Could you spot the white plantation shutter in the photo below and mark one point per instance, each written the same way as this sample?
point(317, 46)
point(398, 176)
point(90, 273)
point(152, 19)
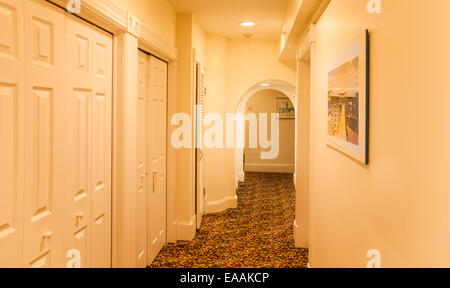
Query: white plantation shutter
point(202, 91)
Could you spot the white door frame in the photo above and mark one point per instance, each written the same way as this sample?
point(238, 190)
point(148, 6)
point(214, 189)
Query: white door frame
point(304, 199)
point(129, 35)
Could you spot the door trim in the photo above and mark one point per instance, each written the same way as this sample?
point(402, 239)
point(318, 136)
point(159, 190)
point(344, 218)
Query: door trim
point(109, 16)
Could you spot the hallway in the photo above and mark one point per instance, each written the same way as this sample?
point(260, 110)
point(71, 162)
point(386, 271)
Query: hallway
point(258, 234)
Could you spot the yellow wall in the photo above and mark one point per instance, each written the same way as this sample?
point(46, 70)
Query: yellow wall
point(158, 15)
point(198, 40)
point(399, 204)
point(265, 101)
point(216, 61)
point(250, 62)
point(289, 19)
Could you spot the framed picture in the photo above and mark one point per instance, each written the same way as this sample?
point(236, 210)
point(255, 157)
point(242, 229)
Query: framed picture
point(285, 108)
point(348, 100)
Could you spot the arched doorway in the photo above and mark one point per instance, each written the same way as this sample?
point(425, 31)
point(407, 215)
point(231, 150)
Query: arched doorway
point(285, 88)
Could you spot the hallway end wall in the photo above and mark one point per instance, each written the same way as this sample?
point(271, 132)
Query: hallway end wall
point(265, 101)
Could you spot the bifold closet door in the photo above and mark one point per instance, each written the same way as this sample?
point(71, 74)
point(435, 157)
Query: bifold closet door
point(88, 134)
point(55, 126)
point(156, 156)
point(45, 111)
point(12, 96)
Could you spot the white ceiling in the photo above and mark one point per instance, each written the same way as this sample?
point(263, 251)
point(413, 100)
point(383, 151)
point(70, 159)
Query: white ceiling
point(222, 17)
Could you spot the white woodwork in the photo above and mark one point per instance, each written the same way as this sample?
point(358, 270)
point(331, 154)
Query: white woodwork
point(200, 100)
point(89, 102)
point(44, 140)
point(156, 156)
point(141, 192)
point(55, 98)
point(125, 156)
point(115, 18)
point(11, 132)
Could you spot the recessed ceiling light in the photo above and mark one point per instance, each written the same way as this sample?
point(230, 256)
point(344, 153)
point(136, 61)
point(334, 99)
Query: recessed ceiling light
point(265, 84)
point(248, 24)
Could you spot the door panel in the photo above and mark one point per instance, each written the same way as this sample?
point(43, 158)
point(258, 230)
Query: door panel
point(80, 100)
point(156, 158)
point(44, 127)
point(89, 58)
point(101, 147)
point(11, 132)
point(140, 198)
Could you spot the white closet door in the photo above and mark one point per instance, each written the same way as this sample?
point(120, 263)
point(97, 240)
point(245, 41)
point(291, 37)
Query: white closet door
point(44, 134)
point(11, 132)
point(156, 159)
point(89, 81)
point(140, 198)
point(101, 149)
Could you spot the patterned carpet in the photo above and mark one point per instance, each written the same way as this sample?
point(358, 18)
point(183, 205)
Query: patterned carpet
point(258, 234)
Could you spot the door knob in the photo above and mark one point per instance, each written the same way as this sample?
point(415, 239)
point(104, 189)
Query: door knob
point(47, 235)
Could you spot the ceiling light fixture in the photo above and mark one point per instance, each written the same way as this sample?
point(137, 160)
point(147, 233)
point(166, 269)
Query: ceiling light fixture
point(248, 24)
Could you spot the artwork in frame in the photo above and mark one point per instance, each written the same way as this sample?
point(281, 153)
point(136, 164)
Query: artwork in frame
point(285, 108)
point(348, 100)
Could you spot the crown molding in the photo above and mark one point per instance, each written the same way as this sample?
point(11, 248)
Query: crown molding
point(150, 40)
point(308, 13)
point(110, 16)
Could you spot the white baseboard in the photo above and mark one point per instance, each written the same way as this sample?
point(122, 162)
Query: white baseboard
point(295, 233)
point(172, 237)
point(300, 236)
point(270, 168)
point(213, 207)
point(187, 231)
point(241, 176)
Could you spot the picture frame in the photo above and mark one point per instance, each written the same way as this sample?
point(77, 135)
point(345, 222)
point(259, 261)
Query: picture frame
point(348, 100)
point(285, 108)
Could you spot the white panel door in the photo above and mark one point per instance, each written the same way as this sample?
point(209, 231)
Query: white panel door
point(156, 158)
point(44, 134)
point(140, 199)
point(89, 82)
point(101, 149)
point(11, 132)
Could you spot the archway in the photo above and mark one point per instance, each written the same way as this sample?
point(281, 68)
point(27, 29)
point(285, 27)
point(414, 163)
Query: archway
point(278, 85)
